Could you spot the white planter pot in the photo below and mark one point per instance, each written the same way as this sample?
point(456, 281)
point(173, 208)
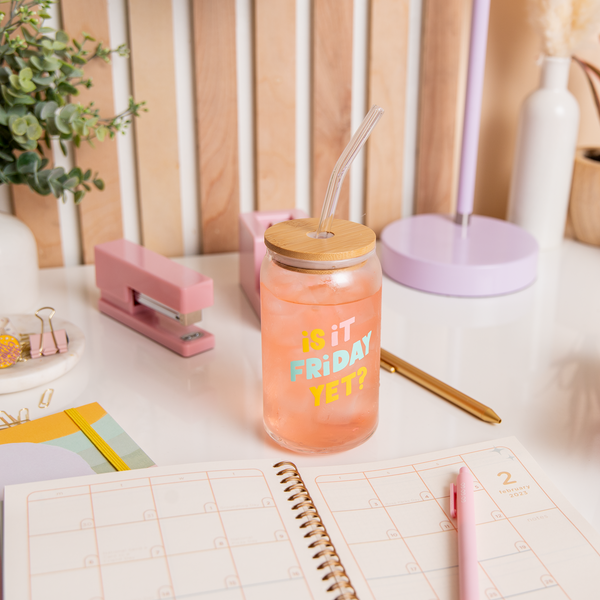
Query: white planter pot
point(543, 167)
point(18, 267)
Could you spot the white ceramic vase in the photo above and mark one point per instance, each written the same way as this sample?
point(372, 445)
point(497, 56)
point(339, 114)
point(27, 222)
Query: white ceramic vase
point(543, 167)
point(18, 267)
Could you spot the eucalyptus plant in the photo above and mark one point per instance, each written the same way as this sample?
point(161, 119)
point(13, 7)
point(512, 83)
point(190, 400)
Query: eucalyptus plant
point(41, 72)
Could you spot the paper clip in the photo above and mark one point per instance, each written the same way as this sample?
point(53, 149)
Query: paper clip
point(43, 349)
point(45, 400)
point(10, 421)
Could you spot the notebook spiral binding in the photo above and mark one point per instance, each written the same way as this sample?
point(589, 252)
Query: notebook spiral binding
point(316, 529)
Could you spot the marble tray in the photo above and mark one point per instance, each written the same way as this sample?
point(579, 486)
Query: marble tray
point(26, 375)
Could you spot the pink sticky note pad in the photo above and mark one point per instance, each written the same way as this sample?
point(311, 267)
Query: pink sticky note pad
point(252, 247)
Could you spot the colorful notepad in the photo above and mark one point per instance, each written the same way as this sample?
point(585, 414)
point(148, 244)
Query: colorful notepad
point(262, 530)
point(59, 430)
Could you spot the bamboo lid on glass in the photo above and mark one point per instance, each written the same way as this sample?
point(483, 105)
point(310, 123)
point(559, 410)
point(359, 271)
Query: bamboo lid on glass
point(292, 239)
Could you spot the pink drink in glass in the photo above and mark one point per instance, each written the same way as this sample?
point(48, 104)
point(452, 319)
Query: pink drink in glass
point(321, 351)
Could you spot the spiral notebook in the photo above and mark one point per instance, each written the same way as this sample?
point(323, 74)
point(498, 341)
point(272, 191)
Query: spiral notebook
point(262, 530)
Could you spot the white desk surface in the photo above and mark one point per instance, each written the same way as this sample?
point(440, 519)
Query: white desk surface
point(532, 356)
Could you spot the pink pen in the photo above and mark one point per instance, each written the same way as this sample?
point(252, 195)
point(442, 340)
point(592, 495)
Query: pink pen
point(462, 508)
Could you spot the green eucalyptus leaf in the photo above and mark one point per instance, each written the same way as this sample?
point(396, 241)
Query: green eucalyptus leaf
point(27, 100)
point(3, 116)
point(18, 111)
point(61, 36)
point(30, 39)
point(69, 113)
point(28, 144)
point(46, 29)
point(86, 186)
point(87, 174)
point(34, 132)
point(48, 110)
point(30, 119)
point(14, 81)
point(56, 173)
point(78, 60)
point(27, 86)
point(101, 133)
point(55, 187)
point(76, 172)
point(62, 126)
point(5, 73)
point(66, 88)
point(51, 126)
point(18, 125)
point(70, 182)
point(21, 64)
point(38, 108)
point(99, 184)
point(6, 156)
point(58, 46)
point(41, 81)
point(25, 74)
point(63, 147)
point(37, 63)
point(79, 194)
point(28, 162)
point(50, 64)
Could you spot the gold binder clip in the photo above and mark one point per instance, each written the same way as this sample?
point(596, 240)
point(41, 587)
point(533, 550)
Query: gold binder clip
point(59, 338)
point(45, 400)
point(25, 417)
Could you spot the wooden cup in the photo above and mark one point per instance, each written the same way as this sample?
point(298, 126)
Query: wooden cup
point(584, 206)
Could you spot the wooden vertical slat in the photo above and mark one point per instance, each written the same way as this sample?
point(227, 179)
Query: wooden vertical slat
point(100, 212)
point(275, 47)
point(157, 153)
point(332, 96)
point(387, 88)
point(444, 49)
point(216, 114)
point(40, 214)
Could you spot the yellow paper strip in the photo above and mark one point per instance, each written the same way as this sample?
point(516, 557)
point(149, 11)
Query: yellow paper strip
point(111, 456)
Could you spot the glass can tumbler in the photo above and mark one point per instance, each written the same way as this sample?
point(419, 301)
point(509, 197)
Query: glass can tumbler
point(321, 325)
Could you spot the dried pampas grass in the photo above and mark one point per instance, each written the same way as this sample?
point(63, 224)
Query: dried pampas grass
point(565, 24)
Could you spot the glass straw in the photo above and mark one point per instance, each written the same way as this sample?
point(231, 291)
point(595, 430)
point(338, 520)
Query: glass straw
point(341, 167)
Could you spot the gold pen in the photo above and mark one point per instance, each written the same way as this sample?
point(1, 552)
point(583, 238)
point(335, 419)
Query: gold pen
point(393, 364)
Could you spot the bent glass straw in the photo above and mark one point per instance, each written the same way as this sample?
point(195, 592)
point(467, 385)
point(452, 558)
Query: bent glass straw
point(341, 167)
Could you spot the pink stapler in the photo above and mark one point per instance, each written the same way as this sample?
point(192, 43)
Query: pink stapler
point(252, 247)
point(154, 295)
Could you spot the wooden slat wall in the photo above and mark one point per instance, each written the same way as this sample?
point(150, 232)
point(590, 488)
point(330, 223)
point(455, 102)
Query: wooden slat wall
point(387, 88)
point(332, 96)
point(157, 154)
point(275, 88)
point(444, 49)
point(100, 212)
point(216, 106)
point(40, 214)
point(216, 114)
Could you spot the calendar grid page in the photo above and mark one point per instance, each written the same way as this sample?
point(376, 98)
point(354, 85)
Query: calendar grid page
point(187, 533)
point(391, 524)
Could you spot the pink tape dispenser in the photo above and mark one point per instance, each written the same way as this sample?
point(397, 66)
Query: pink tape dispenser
point(50, 342)
point(154, 295)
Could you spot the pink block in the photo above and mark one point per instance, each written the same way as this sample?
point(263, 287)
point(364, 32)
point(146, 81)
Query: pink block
point(252, 247)
point(124, 268)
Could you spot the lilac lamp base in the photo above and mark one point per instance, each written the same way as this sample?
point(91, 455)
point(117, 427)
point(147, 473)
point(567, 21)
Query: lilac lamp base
point(428, 252)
